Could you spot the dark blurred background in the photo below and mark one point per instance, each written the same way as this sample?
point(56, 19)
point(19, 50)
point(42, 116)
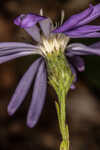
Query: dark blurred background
point(83, 104)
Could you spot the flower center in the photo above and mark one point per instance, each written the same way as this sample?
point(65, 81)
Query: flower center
point(54, 43)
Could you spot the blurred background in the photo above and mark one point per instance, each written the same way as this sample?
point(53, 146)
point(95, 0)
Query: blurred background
point(83, 104)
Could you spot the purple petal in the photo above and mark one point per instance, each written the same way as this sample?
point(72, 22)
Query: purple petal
point(95, 45)
point(75, 76)
point(10, 51)
point(18, 19)
point(89, 35)
point(6, 58)
point(16, 44)
point(88, 31)
point(38, 97)
point(29, 20)
point(81, 49)
point(23, 87)
point(73, 87)
point(78, 63)
point(10, 48)
point(73, 72)
point(74, 20)
point(46, 26)
point(85, 29)
point(92, 16)
point(6, 52)
point(34, 32)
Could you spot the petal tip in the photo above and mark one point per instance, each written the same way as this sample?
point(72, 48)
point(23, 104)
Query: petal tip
point(18, 20)
point(90, 5)
point(31, 123)
point(73, 87)
point(10, 110)
point(28, 20)
point(82, 68)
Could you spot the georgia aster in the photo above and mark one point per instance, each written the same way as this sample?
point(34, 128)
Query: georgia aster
point(59, 59)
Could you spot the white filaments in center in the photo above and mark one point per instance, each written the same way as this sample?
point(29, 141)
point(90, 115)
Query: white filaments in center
point(53, 43)
point(56, 41)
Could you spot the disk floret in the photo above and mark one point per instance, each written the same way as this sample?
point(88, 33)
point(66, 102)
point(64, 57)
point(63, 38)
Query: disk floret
point(53, 43)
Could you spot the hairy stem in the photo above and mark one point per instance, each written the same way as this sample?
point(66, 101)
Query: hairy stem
point(60, 77)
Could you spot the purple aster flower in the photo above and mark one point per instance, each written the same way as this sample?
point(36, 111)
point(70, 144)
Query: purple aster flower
point(49, 39)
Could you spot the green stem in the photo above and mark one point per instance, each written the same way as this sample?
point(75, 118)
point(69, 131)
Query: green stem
point(63, 115)
point(61, 111)
point(60, 77)
point(62, 123)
